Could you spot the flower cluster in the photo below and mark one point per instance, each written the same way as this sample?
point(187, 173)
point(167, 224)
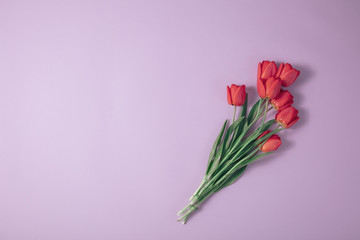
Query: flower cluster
point(241, 143)
point(270, 79)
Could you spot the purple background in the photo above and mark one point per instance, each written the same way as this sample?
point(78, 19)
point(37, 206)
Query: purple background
point(108, 111)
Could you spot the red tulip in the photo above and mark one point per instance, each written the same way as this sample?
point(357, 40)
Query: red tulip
point(236, 95)
point(285, 99)
point(272, 144)
point(268, 86)
point(287, 117)
point(267, 70)
point(287, 74)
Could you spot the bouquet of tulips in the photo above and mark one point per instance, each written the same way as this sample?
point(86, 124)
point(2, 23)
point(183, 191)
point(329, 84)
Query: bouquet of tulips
point(249, 137)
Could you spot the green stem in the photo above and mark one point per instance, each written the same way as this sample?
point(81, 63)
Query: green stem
point(266, 109)
point(234, 114)
point(198, 189)
point(185, 217)
point(235, 167)
point(193, 207)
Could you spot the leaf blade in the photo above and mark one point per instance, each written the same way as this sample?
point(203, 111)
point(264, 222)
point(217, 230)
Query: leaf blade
point(215, 146)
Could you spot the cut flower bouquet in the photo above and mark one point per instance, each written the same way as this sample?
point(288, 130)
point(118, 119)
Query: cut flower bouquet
point(249, 137)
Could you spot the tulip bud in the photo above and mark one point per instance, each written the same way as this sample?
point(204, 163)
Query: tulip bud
point(287, 117)
point(272, 144)
point(236, 95)
point(267, 85)
point(268, 70)
point(287, 74)
point(285, 99)
point(273, 87)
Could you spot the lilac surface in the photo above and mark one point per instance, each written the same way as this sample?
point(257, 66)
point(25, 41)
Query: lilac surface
point(108, 111)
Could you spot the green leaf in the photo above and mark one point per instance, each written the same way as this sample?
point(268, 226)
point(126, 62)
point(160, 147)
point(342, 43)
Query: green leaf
point(230, 131)
point(217, 158)
point(256, 158)
point(247, 150)
point(217, 141)
point(266, 125)
point(239, 130)
point(222, 147)
point(237, 173)
point(216, 145)
point(253, 112)
point(244, 108)
point(238, 170)
point(238, 134)
point(241, 134)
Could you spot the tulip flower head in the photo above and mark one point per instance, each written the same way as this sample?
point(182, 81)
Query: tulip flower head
point(236, 95)
point(272, 144)
point(285, 99)
point(267, 85)
point(267, 70)
point(287, 117)
point(287, 74)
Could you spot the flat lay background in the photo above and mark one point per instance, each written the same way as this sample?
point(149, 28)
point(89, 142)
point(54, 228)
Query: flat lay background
point(108, 111)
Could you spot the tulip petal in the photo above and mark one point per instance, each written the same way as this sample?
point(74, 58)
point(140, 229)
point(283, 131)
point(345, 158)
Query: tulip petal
point(272, 144)
point(268, 70)
point(264, 65)
point(286, 116)
point(293, 122)
point(273, 87)
point(289, 77)
point(229, 96)
point(279, 70)
point(282, 100)
point(261, 88)
point(287, 67)
point(259, 71)
point(243, 94)
point(286, 105)
point(237, 97)
point(233, 89)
